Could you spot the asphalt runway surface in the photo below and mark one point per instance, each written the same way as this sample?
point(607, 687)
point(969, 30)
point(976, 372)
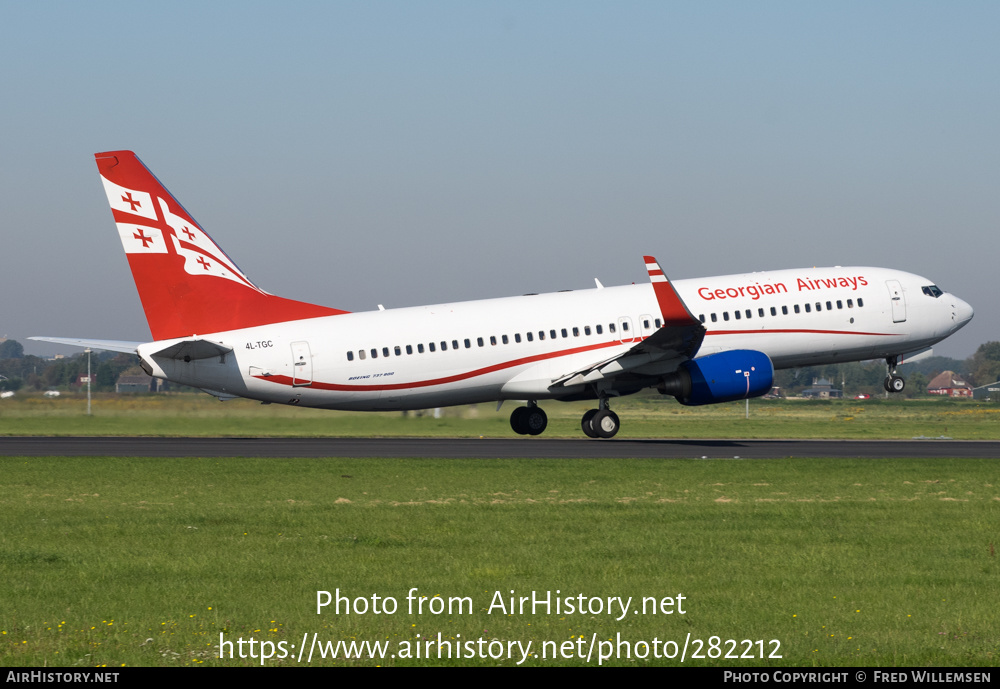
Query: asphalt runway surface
point(487, 448)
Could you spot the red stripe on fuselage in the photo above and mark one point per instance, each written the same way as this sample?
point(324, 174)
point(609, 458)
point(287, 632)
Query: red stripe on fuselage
point(285, 380)
point(797, 330)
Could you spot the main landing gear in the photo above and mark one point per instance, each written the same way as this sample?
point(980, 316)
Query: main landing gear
point(596, 423)
point(530, 420)
point(892, 382)
point(600, 422)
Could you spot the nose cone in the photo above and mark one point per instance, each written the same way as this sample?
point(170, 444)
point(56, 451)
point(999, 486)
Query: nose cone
point(961, 311)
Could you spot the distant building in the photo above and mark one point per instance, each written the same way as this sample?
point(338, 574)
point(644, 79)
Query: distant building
point(949, 384)
point(822, 389)
point(137, 383)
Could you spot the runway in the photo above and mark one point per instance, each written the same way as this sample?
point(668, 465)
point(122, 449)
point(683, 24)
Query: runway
point(491, 448)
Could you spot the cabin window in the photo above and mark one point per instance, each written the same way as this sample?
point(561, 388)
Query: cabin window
point(350, 356)
point(625, 326)
point(749, 313)
point(701, 317)
point(819, 306)
point(552, 334)
point(784, 310)
point(600, 330)
point(657, 322)
point(517, 338)
point(430, 346)
point(774, 311)
point(409, 349)
point(541, 334)
point(850, 303)
point(808, 308)
point(468, 344)
point(493, 339)
point(795, 308)
point(564, 333)
point(714, 318)
point(479, 341)
point(861, 302)
point(586, 330)
point(737, 315)
point(760, 312)
point(454, 344)
point(397, 349)
point(840, 304)
point(374, 353)
point(444, 345)
point(611, 327)
point(645, 323)
point(503, 338)
point(829, 306)
point(725, 315)
point(576, 332)
point(361, 354)
point(530, 335)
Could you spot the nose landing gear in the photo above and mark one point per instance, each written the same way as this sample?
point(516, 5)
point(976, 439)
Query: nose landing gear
point(893, 382)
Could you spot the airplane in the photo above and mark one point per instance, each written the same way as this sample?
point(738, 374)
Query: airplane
point(702, 341)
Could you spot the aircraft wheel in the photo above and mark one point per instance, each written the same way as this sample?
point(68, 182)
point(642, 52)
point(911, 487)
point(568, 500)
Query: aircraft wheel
point(517, 420)
point(605, 423)
point(896, 384)
point(534, 420)
point(885, 384)
point(588, 430)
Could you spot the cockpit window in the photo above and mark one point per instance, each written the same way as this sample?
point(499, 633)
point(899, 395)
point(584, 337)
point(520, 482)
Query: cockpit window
point(932, 291)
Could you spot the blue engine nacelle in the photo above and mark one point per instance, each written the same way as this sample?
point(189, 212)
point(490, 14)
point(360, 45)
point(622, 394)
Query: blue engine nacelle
point(723, 377)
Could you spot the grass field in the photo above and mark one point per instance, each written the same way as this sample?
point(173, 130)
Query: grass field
point(110, 561)
point(643, 416)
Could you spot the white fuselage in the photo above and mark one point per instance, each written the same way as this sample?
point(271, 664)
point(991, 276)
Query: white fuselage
point(516, 347)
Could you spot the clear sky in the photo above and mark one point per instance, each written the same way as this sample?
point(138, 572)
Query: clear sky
point(357, 153)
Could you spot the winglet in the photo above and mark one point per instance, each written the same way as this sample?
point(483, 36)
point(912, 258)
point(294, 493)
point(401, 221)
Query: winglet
point(675, 312)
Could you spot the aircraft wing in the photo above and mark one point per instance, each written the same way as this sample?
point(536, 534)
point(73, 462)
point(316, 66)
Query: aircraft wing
point(108, 345)
point(679, 337)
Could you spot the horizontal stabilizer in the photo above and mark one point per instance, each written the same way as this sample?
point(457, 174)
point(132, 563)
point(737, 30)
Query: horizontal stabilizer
point(191, 350)
point(105, 345)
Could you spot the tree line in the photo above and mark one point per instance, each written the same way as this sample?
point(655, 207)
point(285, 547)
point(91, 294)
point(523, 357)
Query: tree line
point(20, 371)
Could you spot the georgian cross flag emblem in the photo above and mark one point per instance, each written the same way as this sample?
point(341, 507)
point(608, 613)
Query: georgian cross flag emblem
point(201, 255)
point(146, 241)
point(131, 201)
point(141, 239)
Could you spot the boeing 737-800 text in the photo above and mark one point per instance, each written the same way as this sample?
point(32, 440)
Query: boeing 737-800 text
point(703, 341)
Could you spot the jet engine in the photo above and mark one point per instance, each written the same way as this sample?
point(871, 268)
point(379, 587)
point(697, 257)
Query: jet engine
point(723, 377)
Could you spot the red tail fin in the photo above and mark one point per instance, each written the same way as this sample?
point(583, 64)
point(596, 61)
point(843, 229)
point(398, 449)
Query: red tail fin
point(187, 284)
